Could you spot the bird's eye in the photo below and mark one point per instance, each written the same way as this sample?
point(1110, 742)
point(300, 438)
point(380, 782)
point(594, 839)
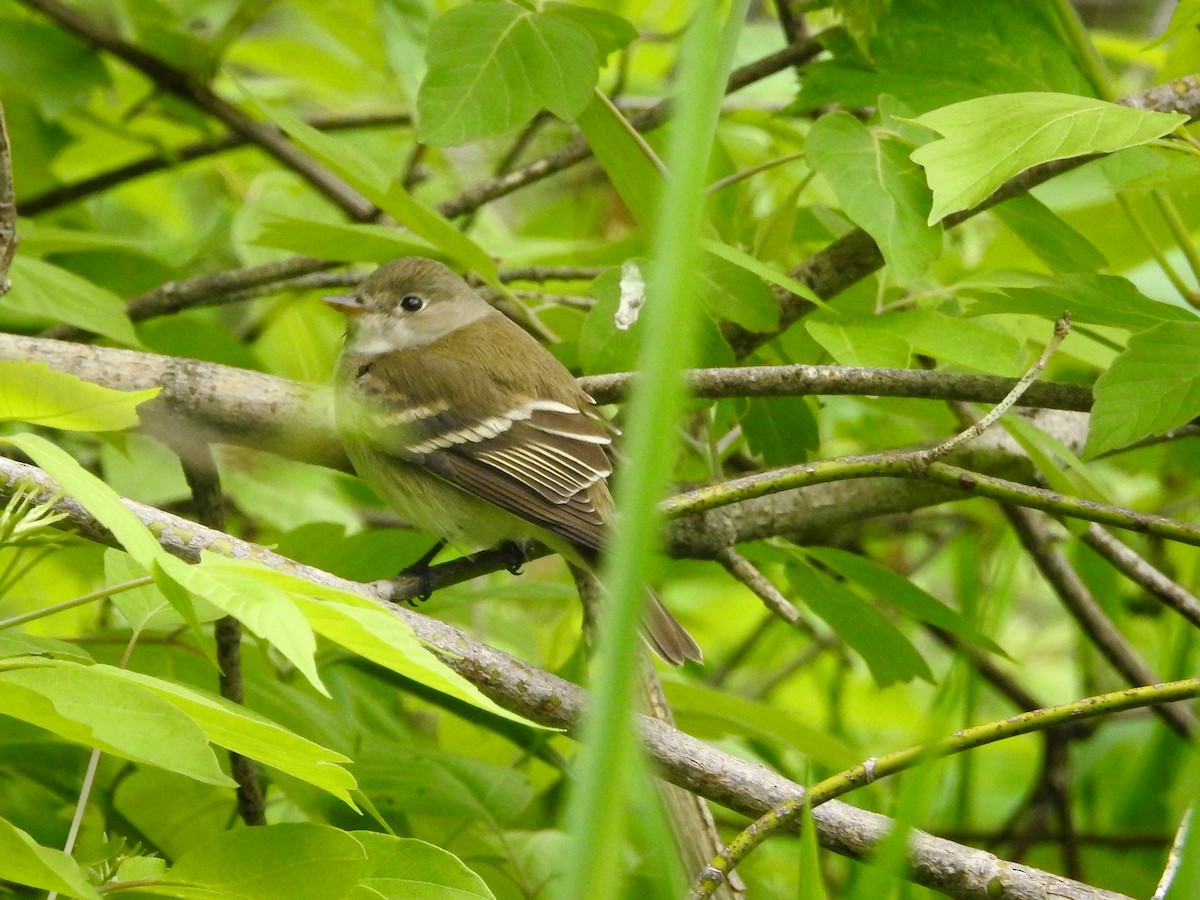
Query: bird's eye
point(411, 302)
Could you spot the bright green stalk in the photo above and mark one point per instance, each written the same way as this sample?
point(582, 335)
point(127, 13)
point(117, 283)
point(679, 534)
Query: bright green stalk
point(597, 810)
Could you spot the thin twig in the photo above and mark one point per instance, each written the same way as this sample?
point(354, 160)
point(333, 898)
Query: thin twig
point(200, 470)
point(8, 208)
point(177, 82)
point(169, 158)
point(578, 150)
point(967, 739)
point(744, 787)
point(1082, 606)
point(855, 255)
point(1062, 327)
point(748, 574)
point(1142, 573)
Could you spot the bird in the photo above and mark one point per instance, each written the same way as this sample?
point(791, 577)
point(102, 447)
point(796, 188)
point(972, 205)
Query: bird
point(470, 429)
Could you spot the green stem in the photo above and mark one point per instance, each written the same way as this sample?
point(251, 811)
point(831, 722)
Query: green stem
point(1089, 58)
point(101, 594)
point(1183, 237)
point(909, 465)
point(1148, 239)
point(878, 767)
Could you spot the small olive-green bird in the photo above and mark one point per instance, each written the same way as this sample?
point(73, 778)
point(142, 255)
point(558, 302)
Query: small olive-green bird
point(470, 429)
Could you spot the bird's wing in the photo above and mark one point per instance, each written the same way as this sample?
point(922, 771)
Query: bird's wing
point(542, 460)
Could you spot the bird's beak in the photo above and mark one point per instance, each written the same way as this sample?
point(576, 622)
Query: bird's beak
point(346, 303)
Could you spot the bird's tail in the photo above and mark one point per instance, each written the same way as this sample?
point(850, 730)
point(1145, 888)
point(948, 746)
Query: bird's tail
point(666, 636)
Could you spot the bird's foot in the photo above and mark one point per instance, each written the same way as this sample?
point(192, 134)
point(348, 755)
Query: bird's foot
point(516, 556)
point(420, 570)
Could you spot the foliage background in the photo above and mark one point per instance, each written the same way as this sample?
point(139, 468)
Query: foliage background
point(802, 159)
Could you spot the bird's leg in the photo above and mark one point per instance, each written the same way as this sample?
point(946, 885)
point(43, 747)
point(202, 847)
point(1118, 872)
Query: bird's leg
point(420, 569)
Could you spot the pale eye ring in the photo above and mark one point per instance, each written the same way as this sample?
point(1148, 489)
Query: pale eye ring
point(411, 303)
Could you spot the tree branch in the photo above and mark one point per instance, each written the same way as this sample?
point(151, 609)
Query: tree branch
point(177, 82)
point(742, 786)
point(855, 254)
point(8, 208)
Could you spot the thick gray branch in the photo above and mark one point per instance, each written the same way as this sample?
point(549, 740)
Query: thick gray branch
point(747, 788)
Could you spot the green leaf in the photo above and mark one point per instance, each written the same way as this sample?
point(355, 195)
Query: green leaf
point(361, 173)
point(1092, 299)
point(23, 861)
point(1183, 20)
point(361, 626)
point(86, 704)
point(56, 295)
point(493, 65)
point(892, 588)
point(744, 260)
point(608, 31)
point(782, 430)
point(633, 172)
point(868, 340)
point(927, 58)
point(732, 293)
point(602, 346)
point(17, 643)
point(889, 655)
point(244, 731)
point(340, 241)
point(712, 714)
point(1152, 387)
point(51, 66)
point(409, 869)
point(33, 392)
point(857, 341)
point(988, 140)
point(271, 862)
point(1053, 241)
point(881, 190)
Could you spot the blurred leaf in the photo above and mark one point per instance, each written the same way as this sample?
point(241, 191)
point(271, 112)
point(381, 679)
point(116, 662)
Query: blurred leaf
point(386, 192)
point(715, 714)
point(855, 342)
point(56, 295)
point(1153, 386)
point(33, 392)
point(446, 785)
point(928, 59)
point(782, 430)
point(24, 862)
point(195, 813)
point(272, 862)
point(626, 162)
point(860, 18)
point(881, 190)
point(404, 29)
point(1092, 299)
point(602, 346)
point(889, 655)
point(86, 705)
point(408, 869)
point(16, 643)
point(889, 340)
point(340, 241)
point(50, 66)
point(1183, 20)
point(493, 65)
point(1053, 241)
point(244, 731)
point(892, 588)
point(732, 293)
point(988, 140)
